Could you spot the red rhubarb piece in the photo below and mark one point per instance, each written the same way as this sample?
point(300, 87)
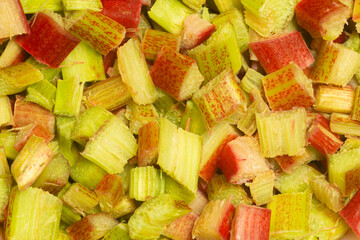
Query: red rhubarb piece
point(125, 12)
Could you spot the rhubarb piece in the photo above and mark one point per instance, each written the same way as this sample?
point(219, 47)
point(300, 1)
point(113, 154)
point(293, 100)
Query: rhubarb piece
point(32, 129)
point(262, 187)
point(4, 166)
point(180, 154)
point(219, 98)
point(29, 214)
point(120, 231)
point(49, 74)
point(163, 101)
point(12, 54)
point(192, 120)
point(68, 97)
point(71, 5)
point(328, 194)
point(34, 6)
point(42, 93)
point(88, 123)
point(324, 18)
point(111, 146)
point(92, 227)
point(351, 213)
point(344, 170)
point(125, 12)
point(6, 115)
point(170, 14)
point(290, 214)
point(151, 218)
point(355, 114)
point(196, 30)
point(219, 188)
point(276, 53)
point(148, 142)
point(62, 235)
point(87, 173)
point(83, 63)
point(139, 115)
point(281, 133)
point(289, 163)
point(356, 12)
point(174, 188)
point(349, 144)
point(13, 21)
point(251, 80)
point(334, 99)
point(343, 124)
point(7, 141)
point(110, 94)
point(17, 77)
point(145, 183)
point(236, 18)
point(176, 74)
point(268, 17)
point(335, 64)
point(5, 184)
point(154, 40)
point(64, 127)
point(199, 203)
point(125, 206)
point(175, 113)
point(241, 160)
point(213, 145)
point(46, 33)
point(31, 161)
point(220, 52)
point(181, 228)
point(131, 59)
point(251, 223)
point(298, 181)
point(80, 199)
point(110, 191)
point(195, 4)
point(215, 221)
point(288, 87)
point(97, 30)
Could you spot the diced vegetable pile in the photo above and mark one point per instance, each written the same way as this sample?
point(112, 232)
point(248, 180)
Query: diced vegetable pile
point(179, 119)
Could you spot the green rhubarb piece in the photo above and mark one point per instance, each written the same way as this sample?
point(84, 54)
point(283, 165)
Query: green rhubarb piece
point(97, 30)
point(88, 123)
point(11, 52)
point(5, 187)
point(125, 206)
point(120, 231)
point(126, 176)
point(344, 170)
point(219, 188)
point(343, 124)
point(235, 17)
point(62, 235)
point(194, 4)
point(335, 64)
point(55, 176)
point(218, 53)
point(175, 113)
point(139, 115)
point(298, 181)
point(68, 97)
point(251, 80)
point(31, 161)
point(262, 188)
point(71, 5)
point(6, 115)
point(68, 216)
point(34, 6)
point(131, 59)
point(7, 140)
point(174, 188)
point(64, 127)
point(170, 14)
point(282, 132)
point(42, 93)
point(17, 77)
point(225, 5)
point(267, 17)
point(80, 198)
point(87, 173)
point(49, 73)
point(349, 144)
point(4, 165)
point(334, 99)
point(152, 217)
point(111, 147)
point(163, 101)
point(146, 182)
point(191, 120)
point(33, 214)
point(83, 63)
point(355, 114)
point(290, 215)
point(180, 154)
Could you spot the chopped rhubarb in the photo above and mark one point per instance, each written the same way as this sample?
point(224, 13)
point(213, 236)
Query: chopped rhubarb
point(148, 142)
point(139, 115)
point(110, 191)
point(289, 163)
point(262, 188)
point(181, 228)
point(12, 54)
point(351, 213)
point(334, 99)
point(26, 132)
point(12, 21)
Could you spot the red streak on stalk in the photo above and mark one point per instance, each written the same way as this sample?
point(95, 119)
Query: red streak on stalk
point(125, 12)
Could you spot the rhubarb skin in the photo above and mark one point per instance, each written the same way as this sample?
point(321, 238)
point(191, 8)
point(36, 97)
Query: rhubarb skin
point(148, 144)
point(176, 74)
point(12, 21)
point(250, 223)
point(125, 12)
point(241, 160)
point(181, 228)
point(318, 17)
point(196, 30)
point(288, 87)
point(351, 213)
point(277, 52)
point(110, 190)
point(48, 42)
